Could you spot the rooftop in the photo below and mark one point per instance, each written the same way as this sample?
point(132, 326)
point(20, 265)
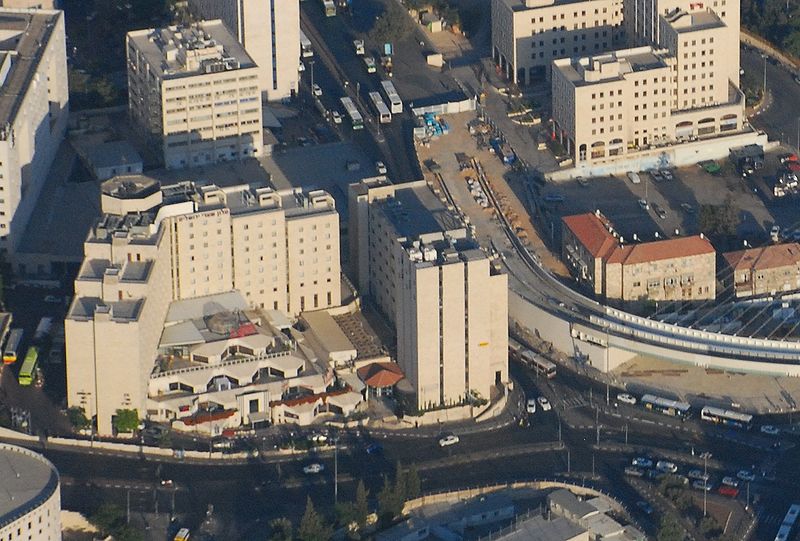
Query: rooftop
point(416, 210)
point(380, 375)
point(112, 154)
point(614, 65)
point(26, 33)
point(181, 51)
point(594, 231)
point(540, 529)
point(567, 501)
point(523, 5)
point(767, 257)
point(27, 478)
point(683, 21)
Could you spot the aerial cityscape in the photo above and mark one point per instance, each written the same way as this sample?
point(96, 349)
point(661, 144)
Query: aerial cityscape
point(458, 270)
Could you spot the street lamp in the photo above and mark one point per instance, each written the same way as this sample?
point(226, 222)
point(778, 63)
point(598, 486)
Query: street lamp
point(336, 469)
point(705, 456)
point(311, 63)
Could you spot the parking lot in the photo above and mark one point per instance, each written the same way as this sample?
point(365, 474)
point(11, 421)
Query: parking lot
point(666, 207)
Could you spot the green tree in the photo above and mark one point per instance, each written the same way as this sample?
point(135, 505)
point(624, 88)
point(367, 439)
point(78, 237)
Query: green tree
point(107, 518)
point(361, 505)
point(126, 420)
point(669, 530)
point(77, 418)
point(388, 505)
point(280, 529)
point(400, 484)
point(413, 484)
point(313, 526)
point(392, 26)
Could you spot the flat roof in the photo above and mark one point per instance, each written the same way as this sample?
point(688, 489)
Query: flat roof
point(416, 210)
point(114, 153)
point(27, 33)
point(27, 478)
point(683, 21)
point(540, 529)
point(629, 60)
point(327, 331)
point(208, 305)
point(519, 5)
point(167, 49)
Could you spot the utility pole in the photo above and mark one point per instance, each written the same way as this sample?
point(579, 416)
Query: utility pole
point(747, 504)
point(128, 506)
point(591, 400)
point(336, 470)
point(559, 429)
point(608, 397)
point(311, 63)
point(764, 92)
point(597, 424)
point(705, 456)
point(592, 465)
point(626, 433)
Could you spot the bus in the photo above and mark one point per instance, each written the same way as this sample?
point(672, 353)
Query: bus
point(355, 117)
point(305, 46)
point(12, 346)
point(788, 524)
point(666, 406)
point(330, 8)
point(542, 366)
point(381, 111)
point(182, 535)
point(28, 370)
point(395, 104)
point(727, 417)
point(43, 329)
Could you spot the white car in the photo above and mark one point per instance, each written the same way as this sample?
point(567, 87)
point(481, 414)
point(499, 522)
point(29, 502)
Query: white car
point(450, 439)
point(698, 475)
point(770, 429)
point(544, 403)
point(313, 468)
point(380, 167)
point(52, 299)
point(530, 407)
point(316, 89)
point(318, 437)
point(625, 398)
point(666, 466)
point(642, 462)
point(746, 475)
point(337, 118)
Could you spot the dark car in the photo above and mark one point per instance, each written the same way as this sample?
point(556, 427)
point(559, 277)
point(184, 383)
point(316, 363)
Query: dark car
point(374, 449)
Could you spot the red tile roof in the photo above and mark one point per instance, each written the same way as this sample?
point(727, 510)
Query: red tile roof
point(766, 257)
point(380, 375)
point(310, 399)
point(592, 231)
point(633, 254)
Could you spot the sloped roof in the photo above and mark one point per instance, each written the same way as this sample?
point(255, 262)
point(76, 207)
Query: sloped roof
point(632, 254)
point(380, 375)
point(767, 257)
point(592, 231)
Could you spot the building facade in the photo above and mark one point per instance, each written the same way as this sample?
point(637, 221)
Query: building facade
point(447, 302)
point(768, 270)
point(682, 268)
point(30, 507)
point(527, 35)
point(194, 94)
point(269, 31)
point(34, 107)
point(153, 245)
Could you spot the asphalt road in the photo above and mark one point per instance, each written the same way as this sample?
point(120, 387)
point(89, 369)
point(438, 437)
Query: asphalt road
point(781, 119)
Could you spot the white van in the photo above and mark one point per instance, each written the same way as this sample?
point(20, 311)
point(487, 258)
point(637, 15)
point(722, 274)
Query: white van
point(634, 177)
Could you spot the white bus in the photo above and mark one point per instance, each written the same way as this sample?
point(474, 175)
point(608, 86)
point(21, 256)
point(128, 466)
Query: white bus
point(542, 366)
point(666, 405)
point(395, 103)
point(305, 46)
point(11, 351)
point(727, 417)
point(381, 111)
point(355, 117)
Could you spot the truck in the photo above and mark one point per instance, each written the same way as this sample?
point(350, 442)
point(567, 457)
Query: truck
point(330, 8)
point(43, 329)
point(386, 63)
point(504, 152)
point(358, 44)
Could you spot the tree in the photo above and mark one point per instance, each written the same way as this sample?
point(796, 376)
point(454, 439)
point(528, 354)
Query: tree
point(400, 484)
point(312, 525)
point(388, 505)
point(77, 418)
point(107, 518)
point(280, 529)
point(361, 505)
point(413, 484)
point(669, 530)
point(392, 26)
point(126, 420)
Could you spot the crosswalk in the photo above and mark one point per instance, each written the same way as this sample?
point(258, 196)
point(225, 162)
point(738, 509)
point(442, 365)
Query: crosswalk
point(573, 401)
point(767, 518)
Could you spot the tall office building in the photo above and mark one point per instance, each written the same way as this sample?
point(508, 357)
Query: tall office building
point(153, 245)
point(270, 31)
point(447, 302)
point(193, 93)
point(33, 111)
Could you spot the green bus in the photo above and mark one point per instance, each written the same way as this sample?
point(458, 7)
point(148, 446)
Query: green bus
point(26, 373)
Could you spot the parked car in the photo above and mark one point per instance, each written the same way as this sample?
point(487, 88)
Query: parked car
point(318, 437)
point(634, 177)
point(667, 174)
point(642, 462)
point(316, 467)
point(633, 471)
point(730, 481)
point(646, 508)
point(554, 198)
point(730, 492)
point(698, 475)
point(702, 485)
point(660, 212)
point(770, 429)
point(53, 299)
point(337, 118)
point(746, 475)
point(544, 403)
point(687, 208)
point(644, 204)
point(450, 439)
point(380, 167)
point(530, 406)
point(317, 90)
point(626, 398)
point(666, 466)
point(374, 449)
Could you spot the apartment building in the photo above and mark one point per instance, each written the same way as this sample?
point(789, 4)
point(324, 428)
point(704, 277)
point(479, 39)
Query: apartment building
point(269, 31)
point(644, 26)
point(619, 105)
point(682, 268)
point(29, 4)
point(194, 94)
point(155, 245)
point(768, 270)
point(33, 112)
point(527, 35)
point(447, 302)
